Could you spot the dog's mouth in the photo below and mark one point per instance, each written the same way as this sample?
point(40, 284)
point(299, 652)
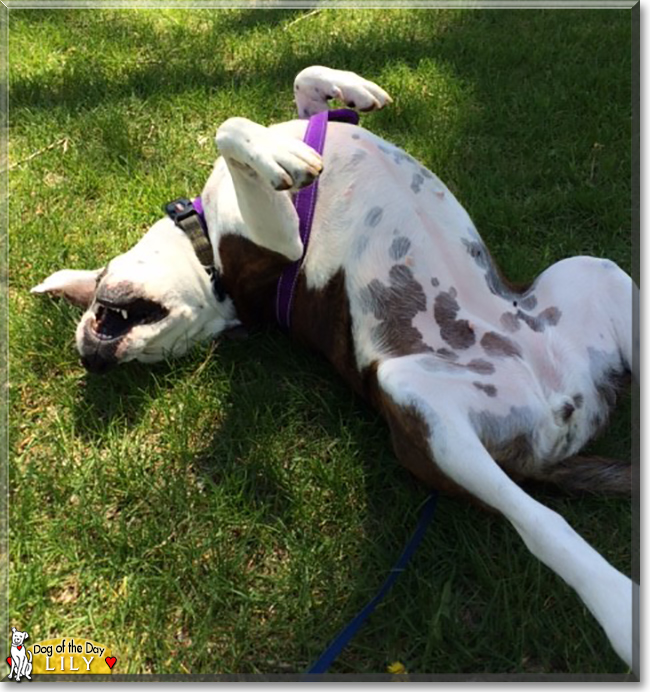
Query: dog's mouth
point(114, 320)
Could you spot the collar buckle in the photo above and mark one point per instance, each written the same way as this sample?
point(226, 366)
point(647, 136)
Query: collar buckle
point(179, 209)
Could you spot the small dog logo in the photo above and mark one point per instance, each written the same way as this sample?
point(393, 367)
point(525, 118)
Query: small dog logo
point(20, 659)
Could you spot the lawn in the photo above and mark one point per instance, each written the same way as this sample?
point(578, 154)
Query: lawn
point(230, 512)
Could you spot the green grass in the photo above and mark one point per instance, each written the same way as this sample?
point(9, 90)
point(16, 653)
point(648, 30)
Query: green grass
point(231, 512)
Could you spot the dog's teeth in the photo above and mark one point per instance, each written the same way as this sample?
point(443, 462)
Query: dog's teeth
point(124, 314)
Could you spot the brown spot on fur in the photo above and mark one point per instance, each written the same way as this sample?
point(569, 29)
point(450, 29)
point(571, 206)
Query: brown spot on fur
point(499, 346)
point(594, 475)
point(321, 321)
point(395, 306)
point(410, 434)
point(250, 276)
point(457, 333)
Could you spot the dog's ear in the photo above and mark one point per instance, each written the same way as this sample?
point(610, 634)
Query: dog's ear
point(13, 629)
point(75, 285)
point(26, 636)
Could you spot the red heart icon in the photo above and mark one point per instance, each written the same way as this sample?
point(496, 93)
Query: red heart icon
point(9, 660)
point(110, 661)
point(19, 647)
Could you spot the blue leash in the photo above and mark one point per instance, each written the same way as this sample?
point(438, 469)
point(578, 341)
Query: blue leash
point(344, 636)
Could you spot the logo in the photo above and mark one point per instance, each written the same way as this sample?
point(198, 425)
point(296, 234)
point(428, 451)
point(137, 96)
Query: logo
point(58, 657)
point(20, 659)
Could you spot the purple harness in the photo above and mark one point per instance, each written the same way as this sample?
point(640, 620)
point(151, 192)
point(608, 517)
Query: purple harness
point(305, 203)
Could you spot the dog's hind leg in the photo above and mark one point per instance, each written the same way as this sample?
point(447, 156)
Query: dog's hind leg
point(454, 447)
point(315, 86)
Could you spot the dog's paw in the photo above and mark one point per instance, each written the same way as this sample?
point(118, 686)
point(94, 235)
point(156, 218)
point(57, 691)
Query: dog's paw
point(316, 85)
point(282, 162)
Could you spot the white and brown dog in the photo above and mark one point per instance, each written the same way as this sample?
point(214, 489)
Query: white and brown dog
point(480, 382)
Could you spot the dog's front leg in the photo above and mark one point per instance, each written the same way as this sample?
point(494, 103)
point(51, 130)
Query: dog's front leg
point(265, 167)
point(459, 454)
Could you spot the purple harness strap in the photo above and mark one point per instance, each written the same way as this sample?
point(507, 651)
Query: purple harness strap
point(305, 203)
point(198, 208)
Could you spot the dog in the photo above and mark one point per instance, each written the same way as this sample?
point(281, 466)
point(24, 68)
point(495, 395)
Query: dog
point(21, 659)
point(482, 384)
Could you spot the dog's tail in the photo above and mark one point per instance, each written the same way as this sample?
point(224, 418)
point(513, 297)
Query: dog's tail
point(590, 475)
point(29, 655)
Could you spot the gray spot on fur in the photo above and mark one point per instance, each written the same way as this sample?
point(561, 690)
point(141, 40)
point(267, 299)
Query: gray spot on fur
point(609, 375)
point(446, 353)
point(528, 302)
point(480, 366)
point(434, 282)
point(435, 365)
point(358, 156)
point(548, 317)
point(479, 253)
point(457, 333)
point(489, 389)
point(446, 362)
point(567, 411)
point(499, 346)
point(397, 154)
point(476, 251)
point(373, 217)
point(507, 438)
point(416, 183)
point(400, 246)
point(356, 136)
point(510, 322)
point(360, 245)
point(578, 400)
point(426, 173)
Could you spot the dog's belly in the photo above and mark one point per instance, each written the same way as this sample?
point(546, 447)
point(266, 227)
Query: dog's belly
point(421, 285)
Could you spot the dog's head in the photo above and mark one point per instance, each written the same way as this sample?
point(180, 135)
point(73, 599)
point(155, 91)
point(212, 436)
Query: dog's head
point(17, 638)
point(152, 302)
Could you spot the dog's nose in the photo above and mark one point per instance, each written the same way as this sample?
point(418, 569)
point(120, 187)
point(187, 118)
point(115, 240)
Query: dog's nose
point(96, 364)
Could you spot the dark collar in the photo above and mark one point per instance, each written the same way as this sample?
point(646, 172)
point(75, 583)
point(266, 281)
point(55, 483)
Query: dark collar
point(189, 217)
